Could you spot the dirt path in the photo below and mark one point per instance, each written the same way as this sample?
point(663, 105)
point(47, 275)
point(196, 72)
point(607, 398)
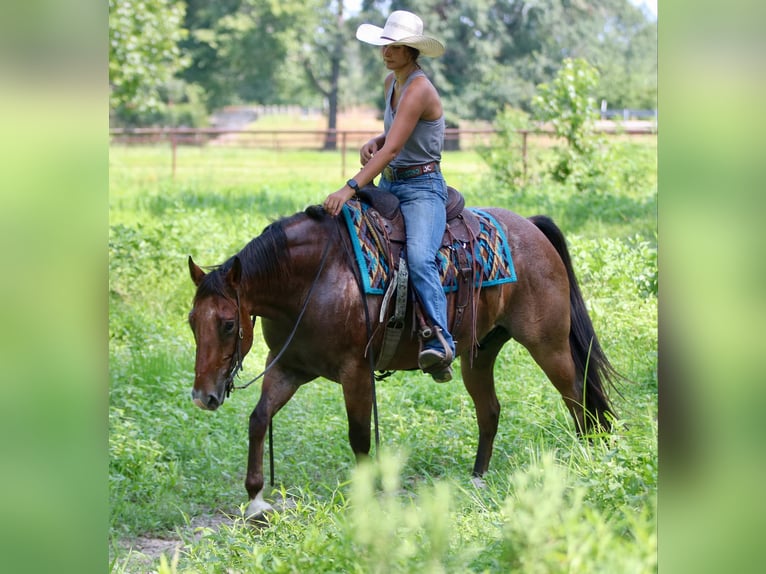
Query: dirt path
point(141, 554)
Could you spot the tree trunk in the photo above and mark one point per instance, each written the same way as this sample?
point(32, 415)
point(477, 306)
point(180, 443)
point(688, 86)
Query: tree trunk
point(331, 138)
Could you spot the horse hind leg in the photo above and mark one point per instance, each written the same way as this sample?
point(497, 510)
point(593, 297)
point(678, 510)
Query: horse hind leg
point(558, 365)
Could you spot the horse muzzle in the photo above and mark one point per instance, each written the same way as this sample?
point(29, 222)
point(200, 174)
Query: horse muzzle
point(208, 401)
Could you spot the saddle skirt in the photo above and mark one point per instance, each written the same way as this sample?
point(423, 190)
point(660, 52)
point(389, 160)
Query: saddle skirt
point(473, 242)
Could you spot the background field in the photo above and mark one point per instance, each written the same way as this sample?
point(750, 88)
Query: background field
point(551, 502)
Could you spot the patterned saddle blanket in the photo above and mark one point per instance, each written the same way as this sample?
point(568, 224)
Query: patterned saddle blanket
point(490, 251)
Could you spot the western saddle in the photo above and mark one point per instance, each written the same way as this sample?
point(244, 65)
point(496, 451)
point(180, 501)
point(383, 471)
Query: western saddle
point(386, 222)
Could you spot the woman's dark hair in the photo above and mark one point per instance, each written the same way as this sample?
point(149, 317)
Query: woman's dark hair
point(415, 53)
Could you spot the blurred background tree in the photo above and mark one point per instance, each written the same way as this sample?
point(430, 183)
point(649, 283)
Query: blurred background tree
point(145, 52)
point(303, 52)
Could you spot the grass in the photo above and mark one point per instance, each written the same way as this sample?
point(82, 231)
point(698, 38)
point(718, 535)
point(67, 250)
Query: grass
point(551, 503)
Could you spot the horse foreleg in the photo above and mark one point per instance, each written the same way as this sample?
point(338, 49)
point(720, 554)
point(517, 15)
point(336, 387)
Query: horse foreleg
point(357, 393)
point(276, 391)
point(479, 381)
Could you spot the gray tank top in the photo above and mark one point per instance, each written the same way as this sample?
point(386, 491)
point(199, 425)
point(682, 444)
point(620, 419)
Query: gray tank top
point(427, 139)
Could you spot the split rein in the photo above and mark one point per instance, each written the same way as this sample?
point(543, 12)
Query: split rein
point(236, 359)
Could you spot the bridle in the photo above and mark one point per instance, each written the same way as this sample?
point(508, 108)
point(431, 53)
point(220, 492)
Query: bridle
point(236, 359)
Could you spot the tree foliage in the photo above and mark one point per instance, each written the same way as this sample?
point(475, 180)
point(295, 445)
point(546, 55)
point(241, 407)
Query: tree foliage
point(144, 51)
point(241, 49)
point(567, 104)
point(498, 51)
point(304, 51)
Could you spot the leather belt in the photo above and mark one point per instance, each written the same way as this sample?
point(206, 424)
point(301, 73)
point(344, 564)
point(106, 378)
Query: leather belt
point(397, 173)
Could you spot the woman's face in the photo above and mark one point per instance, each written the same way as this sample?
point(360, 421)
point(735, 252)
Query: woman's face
point(396, 57)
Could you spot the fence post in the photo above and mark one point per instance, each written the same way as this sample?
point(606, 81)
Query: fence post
point(343, 135)
point(524, 134)
point(173, 147)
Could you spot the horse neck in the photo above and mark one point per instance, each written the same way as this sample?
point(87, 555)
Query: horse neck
point(280, 295)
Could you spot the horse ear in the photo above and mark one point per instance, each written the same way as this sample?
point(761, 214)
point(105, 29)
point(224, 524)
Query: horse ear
point(196, 273)
point(235, 273)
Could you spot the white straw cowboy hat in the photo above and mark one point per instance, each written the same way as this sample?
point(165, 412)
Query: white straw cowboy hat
point(402, 29)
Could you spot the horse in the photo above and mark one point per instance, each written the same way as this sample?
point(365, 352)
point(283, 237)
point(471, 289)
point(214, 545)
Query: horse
point(298, 277)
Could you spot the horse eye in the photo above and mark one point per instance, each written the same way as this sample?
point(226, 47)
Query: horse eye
point(228, 327)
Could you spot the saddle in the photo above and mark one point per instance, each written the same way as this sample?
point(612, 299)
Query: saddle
point(387, 224)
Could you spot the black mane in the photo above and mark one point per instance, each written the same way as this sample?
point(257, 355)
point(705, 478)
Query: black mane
point(264, 257)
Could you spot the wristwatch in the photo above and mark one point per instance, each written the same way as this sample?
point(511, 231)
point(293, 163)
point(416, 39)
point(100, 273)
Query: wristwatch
point(353, 185)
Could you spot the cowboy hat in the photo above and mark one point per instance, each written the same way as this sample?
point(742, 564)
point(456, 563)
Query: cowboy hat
point(402, 29)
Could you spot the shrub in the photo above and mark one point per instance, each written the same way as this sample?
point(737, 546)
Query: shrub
point(567, 104)
point(504, 156)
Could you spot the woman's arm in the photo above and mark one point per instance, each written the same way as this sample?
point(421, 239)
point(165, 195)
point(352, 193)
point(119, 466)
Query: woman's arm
point(420, 100)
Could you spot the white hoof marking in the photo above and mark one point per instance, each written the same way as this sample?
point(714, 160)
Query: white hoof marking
point(258, 507)
point(478, 482)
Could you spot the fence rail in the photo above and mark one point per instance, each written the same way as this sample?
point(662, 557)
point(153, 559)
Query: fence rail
point(334, 139)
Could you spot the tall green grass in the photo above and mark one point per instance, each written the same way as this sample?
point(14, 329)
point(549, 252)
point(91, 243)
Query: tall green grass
point(550, 502)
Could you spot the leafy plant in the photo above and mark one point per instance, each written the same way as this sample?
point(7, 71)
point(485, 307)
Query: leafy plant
point(504, 155)
point(568, 106)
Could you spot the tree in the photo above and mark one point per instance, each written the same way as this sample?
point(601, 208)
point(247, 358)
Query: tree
point(567, 103)
point(498, 51)
point(240, 48)
point(143, 51)
point(322, 59)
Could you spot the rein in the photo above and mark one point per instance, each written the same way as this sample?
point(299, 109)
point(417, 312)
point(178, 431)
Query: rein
point(236, 364)
point(236, 359)
point(358, 277)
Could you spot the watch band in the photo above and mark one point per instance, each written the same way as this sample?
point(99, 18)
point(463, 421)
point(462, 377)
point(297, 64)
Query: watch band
point(353, 185)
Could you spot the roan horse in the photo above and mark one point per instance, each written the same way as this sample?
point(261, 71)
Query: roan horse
point(299, 278)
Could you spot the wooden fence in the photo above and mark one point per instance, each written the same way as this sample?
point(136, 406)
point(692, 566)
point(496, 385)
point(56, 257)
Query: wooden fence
point(337, 140)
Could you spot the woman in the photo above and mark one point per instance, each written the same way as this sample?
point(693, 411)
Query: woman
point(407, 154)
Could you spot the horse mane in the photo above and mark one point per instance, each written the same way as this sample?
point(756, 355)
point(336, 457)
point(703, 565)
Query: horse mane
point(264, 257)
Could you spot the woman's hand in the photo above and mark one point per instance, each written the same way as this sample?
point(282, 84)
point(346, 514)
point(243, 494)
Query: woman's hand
point(334, 202)
point(368, 150)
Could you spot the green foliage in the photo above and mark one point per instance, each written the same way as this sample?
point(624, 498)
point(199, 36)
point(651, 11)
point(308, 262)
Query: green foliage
point(550, 527)
point(179, 105)
point(497, 52)
point(243, 51)
point(144, 51)
point(567, 105)
point(504, 155)
point(394, 533)
point(589, 162)
point(549, 499)
point(302, 52)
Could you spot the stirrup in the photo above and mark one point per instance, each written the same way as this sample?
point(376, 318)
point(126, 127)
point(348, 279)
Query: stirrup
point(427, 333)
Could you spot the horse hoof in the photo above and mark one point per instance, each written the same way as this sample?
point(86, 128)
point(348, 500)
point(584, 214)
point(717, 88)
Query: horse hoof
point(478, 482)
point(258, 509)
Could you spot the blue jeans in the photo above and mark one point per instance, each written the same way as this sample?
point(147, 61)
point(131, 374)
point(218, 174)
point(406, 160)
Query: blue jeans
point(423, 202)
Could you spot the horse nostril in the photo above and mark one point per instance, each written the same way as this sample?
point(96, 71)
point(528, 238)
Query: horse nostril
point(212, 402)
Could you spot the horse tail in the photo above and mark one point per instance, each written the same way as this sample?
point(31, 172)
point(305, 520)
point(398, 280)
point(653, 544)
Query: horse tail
point(591, 362)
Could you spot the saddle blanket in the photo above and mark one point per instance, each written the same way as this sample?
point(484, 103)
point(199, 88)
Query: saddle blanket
point(491, 249)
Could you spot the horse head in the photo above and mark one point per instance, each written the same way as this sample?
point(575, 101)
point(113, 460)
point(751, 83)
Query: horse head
point(223, 332)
